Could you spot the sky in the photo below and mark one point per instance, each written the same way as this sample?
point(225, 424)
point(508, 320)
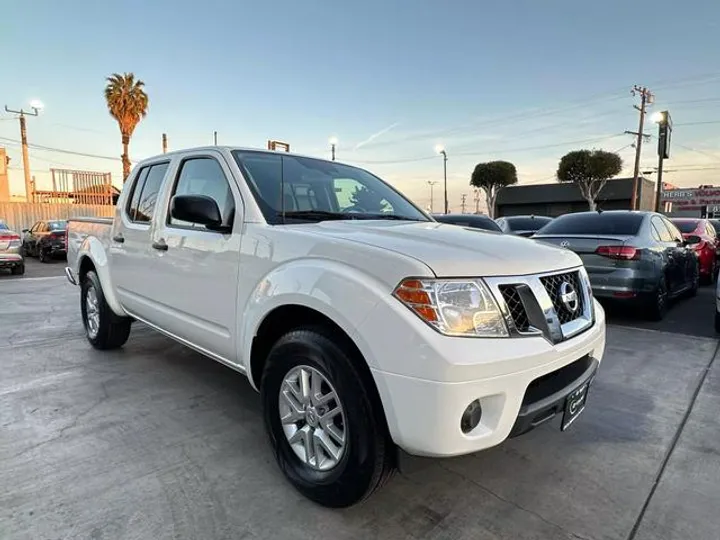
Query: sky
point(523, 81)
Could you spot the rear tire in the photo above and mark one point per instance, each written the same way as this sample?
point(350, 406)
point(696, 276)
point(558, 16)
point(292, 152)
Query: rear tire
point(18, 270)
point(42, 255)
point(103, 328)
point(657, 306)
point(366, 455)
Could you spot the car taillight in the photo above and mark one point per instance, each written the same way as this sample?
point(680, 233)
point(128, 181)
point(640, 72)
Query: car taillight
point(14, 239)
point(625, 253)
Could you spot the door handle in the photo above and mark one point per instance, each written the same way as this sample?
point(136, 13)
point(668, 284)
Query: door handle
point(119, 238)
point(160, 245)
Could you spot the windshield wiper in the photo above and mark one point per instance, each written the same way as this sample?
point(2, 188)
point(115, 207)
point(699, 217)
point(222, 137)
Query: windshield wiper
point(388, 216)
point(314, 215)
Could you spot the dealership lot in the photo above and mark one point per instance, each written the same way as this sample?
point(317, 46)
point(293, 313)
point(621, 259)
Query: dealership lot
point(154, 441)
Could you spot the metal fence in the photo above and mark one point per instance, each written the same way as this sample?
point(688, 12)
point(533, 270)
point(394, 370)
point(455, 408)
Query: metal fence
point(19, 216)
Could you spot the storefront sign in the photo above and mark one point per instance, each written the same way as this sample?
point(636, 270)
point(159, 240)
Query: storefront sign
point(691, 199)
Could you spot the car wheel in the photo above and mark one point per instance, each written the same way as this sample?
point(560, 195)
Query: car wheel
point(103, 328)
point(658, 304)
point(695, 284)
point(327, 432)
point(42, 255)
point(18, 270)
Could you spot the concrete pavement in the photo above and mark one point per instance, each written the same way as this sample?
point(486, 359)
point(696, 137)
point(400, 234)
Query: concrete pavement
point(155, 441)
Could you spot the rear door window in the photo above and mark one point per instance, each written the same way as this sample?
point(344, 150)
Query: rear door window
point(674, 231)
point(662, 230)
point(143, 197)
point(595, 223)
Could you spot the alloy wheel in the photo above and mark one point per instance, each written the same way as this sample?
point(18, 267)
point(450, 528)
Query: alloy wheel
point(312, 418)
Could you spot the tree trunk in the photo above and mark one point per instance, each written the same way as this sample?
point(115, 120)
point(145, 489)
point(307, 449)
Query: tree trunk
point(591, 204)
point(125, 158)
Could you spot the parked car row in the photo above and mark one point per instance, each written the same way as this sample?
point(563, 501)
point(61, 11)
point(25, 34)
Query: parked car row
point(643, 259)
point(45, 240)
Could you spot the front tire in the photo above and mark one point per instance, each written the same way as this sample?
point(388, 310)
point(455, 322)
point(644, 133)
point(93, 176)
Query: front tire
point(327, 432)
point(42, 255)
point(104, 329)
point(658, 304)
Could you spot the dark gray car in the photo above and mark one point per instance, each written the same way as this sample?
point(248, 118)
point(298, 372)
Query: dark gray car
point(522, 225)
point(638, 257)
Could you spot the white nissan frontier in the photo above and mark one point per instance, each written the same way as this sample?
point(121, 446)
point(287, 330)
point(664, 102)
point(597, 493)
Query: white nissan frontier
point(366, 326)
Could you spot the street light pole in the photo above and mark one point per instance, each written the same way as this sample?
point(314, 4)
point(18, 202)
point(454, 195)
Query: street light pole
point(664, 130)
point(431, 183)
point(35, 106)
point(333, 143)
point(440, 149)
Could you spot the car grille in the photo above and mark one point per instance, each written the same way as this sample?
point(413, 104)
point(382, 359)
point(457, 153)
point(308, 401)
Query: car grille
point(552, 285)
point(533, 304)
point(515, 307)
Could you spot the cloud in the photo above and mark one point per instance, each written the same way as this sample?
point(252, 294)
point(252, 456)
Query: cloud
point(376, 135)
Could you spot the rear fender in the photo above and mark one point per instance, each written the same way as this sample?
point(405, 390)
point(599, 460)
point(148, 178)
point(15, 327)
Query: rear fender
point(92, 249)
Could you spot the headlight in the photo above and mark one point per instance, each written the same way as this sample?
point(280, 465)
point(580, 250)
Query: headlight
point(454, 307)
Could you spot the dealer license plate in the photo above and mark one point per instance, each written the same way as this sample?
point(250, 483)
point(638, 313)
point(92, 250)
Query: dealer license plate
point(574, 405)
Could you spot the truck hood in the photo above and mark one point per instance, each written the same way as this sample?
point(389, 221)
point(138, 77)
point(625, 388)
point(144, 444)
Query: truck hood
point(449, 250)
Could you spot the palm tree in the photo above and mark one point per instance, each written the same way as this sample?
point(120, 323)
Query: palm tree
point(127, 103)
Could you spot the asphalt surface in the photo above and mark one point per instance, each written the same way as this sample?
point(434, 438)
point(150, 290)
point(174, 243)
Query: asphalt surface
point(155, 441)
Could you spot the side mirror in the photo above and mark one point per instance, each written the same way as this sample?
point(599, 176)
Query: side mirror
point(25, 230)
point(199, 209)
point(692, 239)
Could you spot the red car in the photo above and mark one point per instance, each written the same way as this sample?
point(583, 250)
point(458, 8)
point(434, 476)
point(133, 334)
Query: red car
point(706, 249)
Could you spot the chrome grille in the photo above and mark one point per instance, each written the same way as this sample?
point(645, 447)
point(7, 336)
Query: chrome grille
point(533, 306)
point(552, 285)
point(516, 309)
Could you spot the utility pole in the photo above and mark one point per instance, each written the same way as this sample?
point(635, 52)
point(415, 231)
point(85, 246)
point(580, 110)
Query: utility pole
point(164, 143)
point(431, 183)
point(215, 137)
point(333, 143)
point(462, 204)
point(646, 98)
point(25, 153)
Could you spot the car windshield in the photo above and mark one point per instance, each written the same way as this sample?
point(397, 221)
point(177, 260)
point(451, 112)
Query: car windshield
point(317, 190)
point(595, 223)
point(686, 225)
point(57, 225)
point(527, 223)
point(474, 222)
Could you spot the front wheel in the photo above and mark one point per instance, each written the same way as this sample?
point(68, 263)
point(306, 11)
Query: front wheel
point(103, 328)
point(326, 431)
point(42, 255)
point(18, 270)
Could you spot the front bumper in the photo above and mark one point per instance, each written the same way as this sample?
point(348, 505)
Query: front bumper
point(424, 415)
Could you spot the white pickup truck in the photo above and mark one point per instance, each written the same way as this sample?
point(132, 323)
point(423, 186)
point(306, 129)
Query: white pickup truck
point(365, 325)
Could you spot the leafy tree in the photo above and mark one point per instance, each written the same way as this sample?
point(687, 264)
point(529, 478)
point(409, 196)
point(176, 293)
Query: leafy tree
point(127, 103)
point(491, 177)
point(589, 170)
point(368, 200)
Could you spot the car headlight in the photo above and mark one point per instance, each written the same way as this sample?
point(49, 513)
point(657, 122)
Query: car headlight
point(454, 307)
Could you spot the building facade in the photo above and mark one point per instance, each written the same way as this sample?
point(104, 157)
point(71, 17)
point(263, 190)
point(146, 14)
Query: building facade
point(555, 199)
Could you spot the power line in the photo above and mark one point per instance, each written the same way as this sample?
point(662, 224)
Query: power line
point(61, 150)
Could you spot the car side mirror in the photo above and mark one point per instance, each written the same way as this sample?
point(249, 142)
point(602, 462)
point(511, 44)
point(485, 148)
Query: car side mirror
point(199, 209)
point(25, 230)
point(692, 239)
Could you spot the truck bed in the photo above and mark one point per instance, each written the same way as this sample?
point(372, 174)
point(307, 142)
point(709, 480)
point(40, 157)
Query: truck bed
point(78, 229)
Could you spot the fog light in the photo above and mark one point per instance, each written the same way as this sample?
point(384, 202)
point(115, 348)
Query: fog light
point(471, 417)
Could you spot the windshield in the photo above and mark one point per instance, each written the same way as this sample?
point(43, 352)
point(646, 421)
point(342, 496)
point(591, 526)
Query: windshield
point(595, 223)
point(317, 190)
point(527, 223)
point(686, 226)
point(475, 222)
point(57, 225)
